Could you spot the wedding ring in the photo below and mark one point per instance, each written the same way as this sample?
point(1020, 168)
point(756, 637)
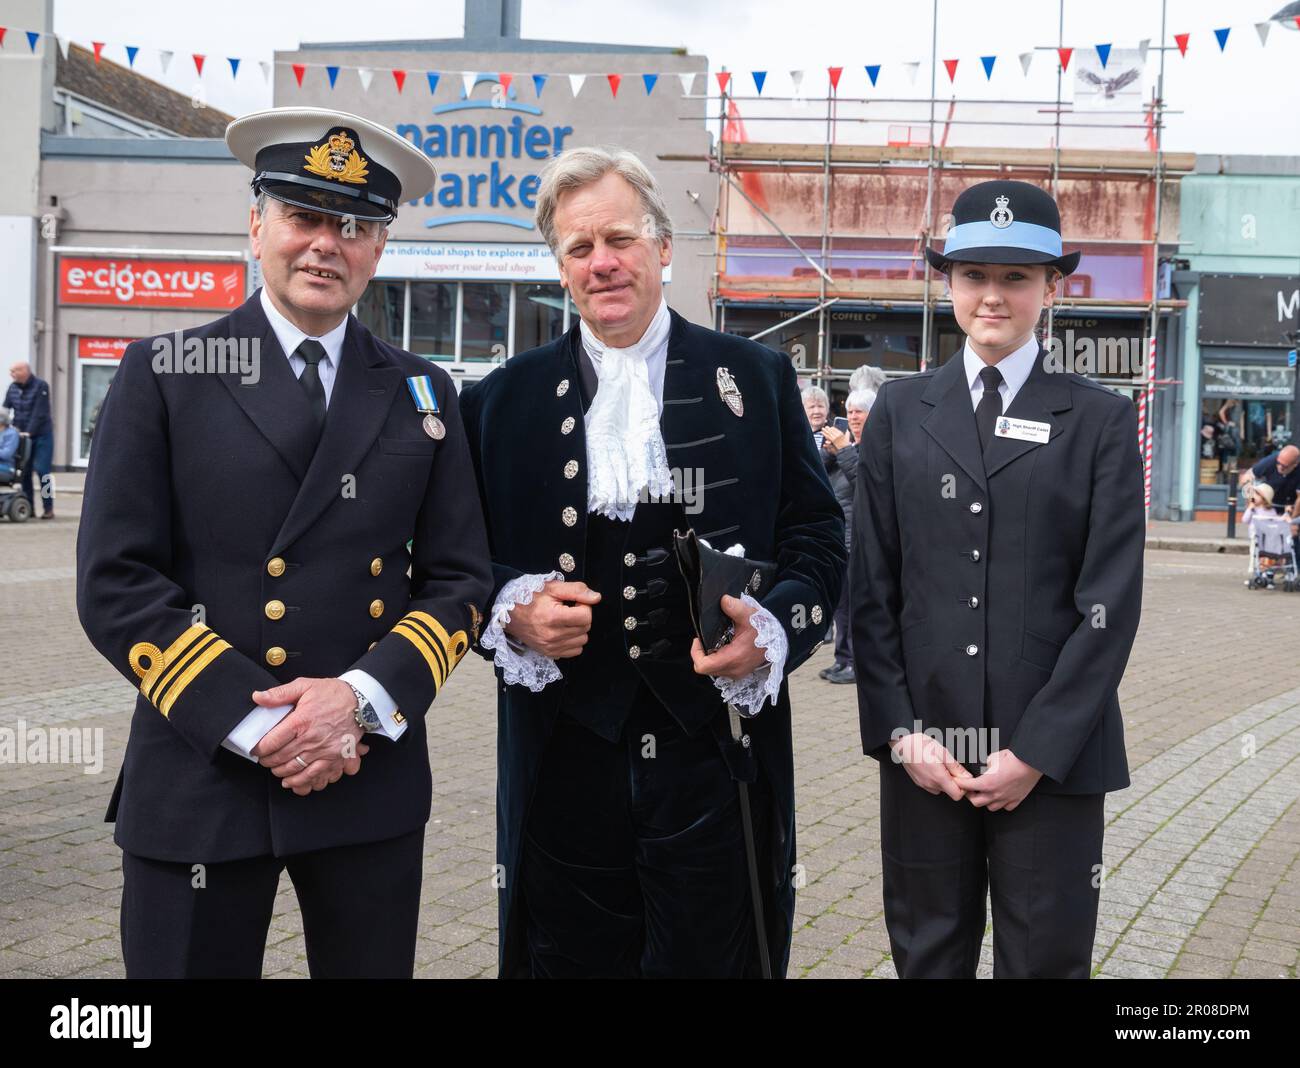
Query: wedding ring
point(301, 763)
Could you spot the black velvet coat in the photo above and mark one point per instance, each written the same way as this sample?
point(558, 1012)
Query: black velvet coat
point(764, 486)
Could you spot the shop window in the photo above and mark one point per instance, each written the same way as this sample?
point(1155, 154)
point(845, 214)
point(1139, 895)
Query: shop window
point(433, 319)
point(485, 319)
point(95, 379)
point(1244, 416)
point(382, 308)
point(539, 315)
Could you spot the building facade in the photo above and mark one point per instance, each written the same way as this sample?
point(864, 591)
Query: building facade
point(1239, 271)
point(137, 218)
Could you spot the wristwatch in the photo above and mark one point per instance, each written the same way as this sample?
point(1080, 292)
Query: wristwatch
point(365, 715)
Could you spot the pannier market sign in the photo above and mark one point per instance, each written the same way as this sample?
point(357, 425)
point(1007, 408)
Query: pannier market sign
point(487, 169)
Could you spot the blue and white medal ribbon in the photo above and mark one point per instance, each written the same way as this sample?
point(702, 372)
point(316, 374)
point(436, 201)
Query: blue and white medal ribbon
point(421, 387)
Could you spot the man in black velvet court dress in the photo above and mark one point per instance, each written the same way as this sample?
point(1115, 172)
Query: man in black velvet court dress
point(619, 821)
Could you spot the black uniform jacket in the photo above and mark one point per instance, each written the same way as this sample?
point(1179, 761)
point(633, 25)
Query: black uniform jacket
point(222, 550)
point(1001, 590)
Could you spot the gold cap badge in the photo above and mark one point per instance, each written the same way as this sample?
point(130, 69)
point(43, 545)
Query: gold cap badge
point(338, 158)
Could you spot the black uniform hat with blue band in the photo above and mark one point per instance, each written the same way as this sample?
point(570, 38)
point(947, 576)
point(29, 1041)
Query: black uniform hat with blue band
point(1004, 222)
point(330, 161)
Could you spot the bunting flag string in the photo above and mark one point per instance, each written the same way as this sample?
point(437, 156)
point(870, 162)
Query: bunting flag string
point(9, 36)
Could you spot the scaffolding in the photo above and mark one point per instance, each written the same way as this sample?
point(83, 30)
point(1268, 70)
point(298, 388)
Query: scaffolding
point(848, 222)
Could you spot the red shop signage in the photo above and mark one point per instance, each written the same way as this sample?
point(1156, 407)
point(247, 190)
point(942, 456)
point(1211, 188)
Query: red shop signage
point(146, 283)
point(102, 348)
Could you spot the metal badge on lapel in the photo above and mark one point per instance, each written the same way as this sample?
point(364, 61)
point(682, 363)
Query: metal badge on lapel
point(421, 387)
point(728, 392)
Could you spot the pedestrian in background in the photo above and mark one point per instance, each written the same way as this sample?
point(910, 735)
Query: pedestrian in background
point(841, 451)
point(29, 399)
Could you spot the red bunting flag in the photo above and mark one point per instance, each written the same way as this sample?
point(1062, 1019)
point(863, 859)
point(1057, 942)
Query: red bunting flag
point(723, 76)
point(951, 65)
point(299, 69)
point(1181, 39)
point(614, 81)
point(3, 29)
point(505, 80)
point(98, 47)
point(834, 73)
point(198, 63)
point(399, 76)
point(1065, 54)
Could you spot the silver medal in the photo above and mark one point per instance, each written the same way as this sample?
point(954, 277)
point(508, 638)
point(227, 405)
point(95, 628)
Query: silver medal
point(434, 428)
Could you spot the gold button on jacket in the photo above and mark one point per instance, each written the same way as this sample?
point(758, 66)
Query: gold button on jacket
point(275, 567)
point(376, 608)
point(275, 656)
point(376, 566)
point(274, 609)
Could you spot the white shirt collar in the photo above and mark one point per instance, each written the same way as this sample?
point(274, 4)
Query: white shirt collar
point(290, 337)
point(1015, 370)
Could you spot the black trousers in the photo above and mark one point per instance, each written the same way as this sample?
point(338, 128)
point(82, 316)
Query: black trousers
point(360, 910)
point(634, 856)
point(1041, 863)
point(843, 625)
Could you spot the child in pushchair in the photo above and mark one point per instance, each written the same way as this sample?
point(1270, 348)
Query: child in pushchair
point(1272, 552)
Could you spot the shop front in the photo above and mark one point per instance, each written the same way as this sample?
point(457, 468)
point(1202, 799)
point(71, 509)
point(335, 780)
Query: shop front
point(1247, 330)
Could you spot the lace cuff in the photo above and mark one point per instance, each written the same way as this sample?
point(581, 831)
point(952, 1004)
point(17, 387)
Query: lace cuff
point(748, 695)
point(520, 666)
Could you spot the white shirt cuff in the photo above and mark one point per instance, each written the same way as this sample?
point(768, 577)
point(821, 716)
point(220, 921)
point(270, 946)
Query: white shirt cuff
point(748, 695)
point(253, 728)
point(383, 704)
point(520, 666)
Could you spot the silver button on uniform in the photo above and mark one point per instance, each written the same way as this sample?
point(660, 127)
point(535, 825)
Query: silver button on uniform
point(630, 623)
point(629, 560)
point(971, 650)
point(567, 426)
point(975, 555)
point(570, 516)
point(976, 507)
point(974, 602)
point(629, 593)
point(571, 469)
point(566, 562)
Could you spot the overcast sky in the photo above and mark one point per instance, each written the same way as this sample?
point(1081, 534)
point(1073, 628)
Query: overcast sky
point(1245, 100)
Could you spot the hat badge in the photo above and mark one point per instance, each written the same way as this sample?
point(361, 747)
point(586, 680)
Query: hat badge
point(1001, 216)
point(337, 158)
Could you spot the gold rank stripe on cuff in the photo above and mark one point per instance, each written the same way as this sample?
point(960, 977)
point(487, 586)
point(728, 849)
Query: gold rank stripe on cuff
point(164, 675)
point(441, 651)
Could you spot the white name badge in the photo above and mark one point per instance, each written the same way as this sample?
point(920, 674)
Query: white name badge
point(1022, 429)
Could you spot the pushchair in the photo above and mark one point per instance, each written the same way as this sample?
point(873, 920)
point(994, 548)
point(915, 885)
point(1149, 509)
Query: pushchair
point(12, 502)
point(1272, 554)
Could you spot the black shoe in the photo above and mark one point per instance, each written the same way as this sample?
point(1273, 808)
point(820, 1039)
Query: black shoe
point(47, 515)
point(827, 672)
point(842, 675)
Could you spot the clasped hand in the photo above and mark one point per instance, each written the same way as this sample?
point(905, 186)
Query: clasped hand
point(1006, 782)
point(319, 741)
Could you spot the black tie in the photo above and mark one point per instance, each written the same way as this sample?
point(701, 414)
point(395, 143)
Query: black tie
point(312, 353)
point(990, 405)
